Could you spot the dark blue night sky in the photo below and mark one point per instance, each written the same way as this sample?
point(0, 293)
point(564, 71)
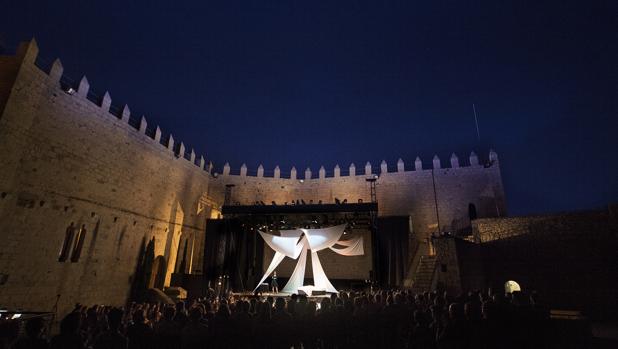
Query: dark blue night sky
point(319, 83)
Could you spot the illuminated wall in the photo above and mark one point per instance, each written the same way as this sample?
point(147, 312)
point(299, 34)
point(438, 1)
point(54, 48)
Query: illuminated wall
point(68, 159)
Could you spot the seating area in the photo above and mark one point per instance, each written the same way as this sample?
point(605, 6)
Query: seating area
point(369, 319)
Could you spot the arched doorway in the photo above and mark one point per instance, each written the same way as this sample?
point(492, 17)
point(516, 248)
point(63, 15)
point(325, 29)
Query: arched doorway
point(157, 278)
point(511, 286)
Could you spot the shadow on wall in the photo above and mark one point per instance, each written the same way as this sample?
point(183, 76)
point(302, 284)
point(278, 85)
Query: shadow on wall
point(159, 272)
point(149, 272)
point(173, 239)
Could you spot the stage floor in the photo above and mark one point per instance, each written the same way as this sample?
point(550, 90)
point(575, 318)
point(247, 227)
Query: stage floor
point(275, 295)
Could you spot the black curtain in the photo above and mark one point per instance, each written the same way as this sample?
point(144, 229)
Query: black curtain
point(391, 250)
point(232, 249)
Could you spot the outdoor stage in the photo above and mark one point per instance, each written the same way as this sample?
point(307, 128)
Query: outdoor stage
point(236, 256)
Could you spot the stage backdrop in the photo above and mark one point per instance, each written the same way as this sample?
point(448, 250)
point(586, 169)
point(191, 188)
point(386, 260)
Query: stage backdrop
point(336, 267)
point(231, 250)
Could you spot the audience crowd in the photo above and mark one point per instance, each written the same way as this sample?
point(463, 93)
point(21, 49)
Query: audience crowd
point(381, 319)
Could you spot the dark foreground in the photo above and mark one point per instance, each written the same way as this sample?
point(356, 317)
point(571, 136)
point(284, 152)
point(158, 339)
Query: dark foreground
point(382, 319)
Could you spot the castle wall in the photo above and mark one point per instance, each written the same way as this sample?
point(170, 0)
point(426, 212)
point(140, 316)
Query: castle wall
point(68, 160)
point(401, 193)
point(569, 258)
point(592, 223)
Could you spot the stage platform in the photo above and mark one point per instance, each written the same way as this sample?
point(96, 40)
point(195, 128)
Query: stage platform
point(275, 295)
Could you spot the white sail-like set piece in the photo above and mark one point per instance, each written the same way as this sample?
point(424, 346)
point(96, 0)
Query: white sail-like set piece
point(291, 233)
point(298, 276)
point(287, 245)
point(296, 243)
point(320, 239)
point(353, 247)
point(277, 258)
point(320, 280)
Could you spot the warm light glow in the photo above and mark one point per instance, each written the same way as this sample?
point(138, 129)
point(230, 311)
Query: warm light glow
point(511, 286)
point(215, 214)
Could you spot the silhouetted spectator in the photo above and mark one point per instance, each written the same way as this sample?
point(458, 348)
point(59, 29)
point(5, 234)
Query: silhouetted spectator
point(194, 333)
point(112, 338)
point(167, 331)
point(139, 333)
point(69, 337)
point(32, 338)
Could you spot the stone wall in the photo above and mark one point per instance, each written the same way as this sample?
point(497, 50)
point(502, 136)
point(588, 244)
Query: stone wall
point(67, 160)
point(563, 224)
point(569, 258)
point(400, 193)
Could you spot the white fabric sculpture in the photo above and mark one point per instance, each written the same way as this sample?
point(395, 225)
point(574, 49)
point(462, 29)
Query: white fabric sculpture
point(296, 243)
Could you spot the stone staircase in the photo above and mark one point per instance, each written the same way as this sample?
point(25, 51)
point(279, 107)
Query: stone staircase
point(423, 278)
point(415, 247)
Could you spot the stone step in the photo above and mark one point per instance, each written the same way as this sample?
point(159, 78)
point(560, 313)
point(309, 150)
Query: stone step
point(424, 274)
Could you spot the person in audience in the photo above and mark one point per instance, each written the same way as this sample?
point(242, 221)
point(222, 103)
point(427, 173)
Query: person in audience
point(69, 337)
point(32, 338)
point(167, 331)
point(139, 332)
point(195, 331)
point(112, 338)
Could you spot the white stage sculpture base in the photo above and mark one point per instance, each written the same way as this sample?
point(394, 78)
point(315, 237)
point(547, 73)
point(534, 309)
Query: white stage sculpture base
point(309, 289)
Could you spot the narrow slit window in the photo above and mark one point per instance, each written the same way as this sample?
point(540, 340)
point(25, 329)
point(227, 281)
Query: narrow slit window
point(66, 244)
point(79, 243)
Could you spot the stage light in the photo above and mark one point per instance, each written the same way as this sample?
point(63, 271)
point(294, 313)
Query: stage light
point(301, 181)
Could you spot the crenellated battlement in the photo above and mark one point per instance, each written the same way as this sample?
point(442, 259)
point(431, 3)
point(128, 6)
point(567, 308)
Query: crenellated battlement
point(82, 91)
point(399, 168)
